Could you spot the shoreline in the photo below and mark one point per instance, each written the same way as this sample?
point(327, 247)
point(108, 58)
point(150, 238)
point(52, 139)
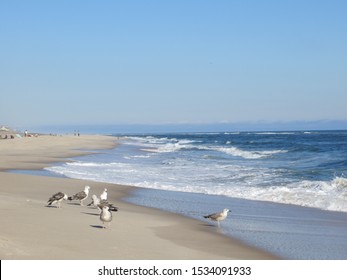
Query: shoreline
point(282, 229)
point(33, 231)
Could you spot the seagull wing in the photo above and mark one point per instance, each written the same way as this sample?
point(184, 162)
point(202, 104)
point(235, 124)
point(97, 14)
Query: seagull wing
point(56, 197)
point(78, 196)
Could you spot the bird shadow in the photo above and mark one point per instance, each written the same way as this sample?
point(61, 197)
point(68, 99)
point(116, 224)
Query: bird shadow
point(208, 225)
point(74, 203)
point(88, 213)
point(51, 206)
point(96, 226)
point(216, 227)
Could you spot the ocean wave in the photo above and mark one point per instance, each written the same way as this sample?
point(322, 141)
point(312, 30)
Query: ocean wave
point(228, 180)
point(191, 145)
point(89, 164)
point(340, 183)
point(167, 148)
point(248, 154)
point(272, 133)
point(331, 196)
point(173, 147)
point(231, 133)
point(162, 145)
point(159, 140)
point(326, 195)
point(137, 156)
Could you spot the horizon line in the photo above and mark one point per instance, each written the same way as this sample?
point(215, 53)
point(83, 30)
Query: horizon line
point(201, 127)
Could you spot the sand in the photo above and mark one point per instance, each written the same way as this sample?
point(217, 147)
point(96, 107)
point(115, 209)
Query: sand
point(32, 230)
point(39, 152)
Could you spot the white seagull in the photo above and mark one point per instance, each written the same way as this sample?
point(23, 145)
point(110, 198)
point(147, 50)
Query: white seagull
point(220, 216)
point(103, 196)
point(80, 195)
point(57, 198)
point(105, 216)
point(95, 201)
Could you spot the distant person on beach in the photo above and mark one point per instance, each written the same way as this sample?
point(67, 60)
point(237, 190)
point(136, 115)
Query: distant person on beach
point(25, 133)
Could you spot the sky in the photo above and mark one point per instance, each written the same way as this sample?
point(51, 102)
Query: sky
point(172, 62)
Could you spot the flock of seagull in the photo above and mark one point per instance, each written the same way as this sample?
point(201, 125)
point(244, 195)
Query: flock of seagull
point(105, 208)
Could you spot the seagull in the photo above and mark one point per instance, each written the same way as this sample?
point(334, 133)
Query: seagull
point(80, 195)
point(99, 204)
point(95, 201)
point(57, 198)
point(105, 216)
point(220, 216)
point(110, 206)
point(103, 196)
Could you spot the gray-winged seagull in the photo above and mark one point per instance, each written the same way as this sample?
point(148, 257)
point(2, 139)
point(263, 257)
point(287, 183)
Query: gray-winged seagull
point(220, 216)
point(80, 195)
point(99, 204)
point(110, 206)
point(105, 216)
point(57, 198)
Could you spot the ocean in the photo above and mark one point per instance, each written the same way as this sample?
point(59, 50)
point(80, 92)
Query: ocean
point(287, 191)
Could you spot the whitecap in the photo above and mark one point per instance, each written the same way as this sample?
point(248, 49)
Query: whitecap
point(234, 151)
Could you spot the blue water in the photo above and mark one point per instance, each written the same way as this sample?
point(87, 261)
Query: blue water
point(263, 177)
point(288, 231)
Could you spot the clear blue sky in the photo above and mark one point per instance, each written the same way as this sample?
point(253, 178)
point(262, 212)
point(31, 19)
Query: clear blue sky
point(178, 61)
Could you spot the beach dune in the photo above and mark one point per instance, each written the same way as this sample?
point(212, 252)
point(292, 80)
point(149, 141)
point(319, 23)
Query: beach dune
point(32, 230)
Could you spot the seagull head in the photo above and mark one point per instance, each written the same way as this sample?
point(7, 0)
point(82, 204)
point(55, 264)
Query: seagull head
point(86, 189)
point(226, 210)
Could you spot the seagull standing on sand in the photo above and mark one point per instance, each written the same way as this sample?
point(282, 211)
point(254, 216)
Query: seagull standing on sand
point(220, 216)
point(80, 195)
point(95, 201)
point(103, 196)
point(110, 206)
point(57, 198)
point(105, 216)
point(99, 204)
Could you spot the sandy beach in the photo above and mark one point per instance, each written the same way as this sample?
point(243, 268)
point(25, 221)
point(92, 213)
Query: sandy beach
point(31, 230)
